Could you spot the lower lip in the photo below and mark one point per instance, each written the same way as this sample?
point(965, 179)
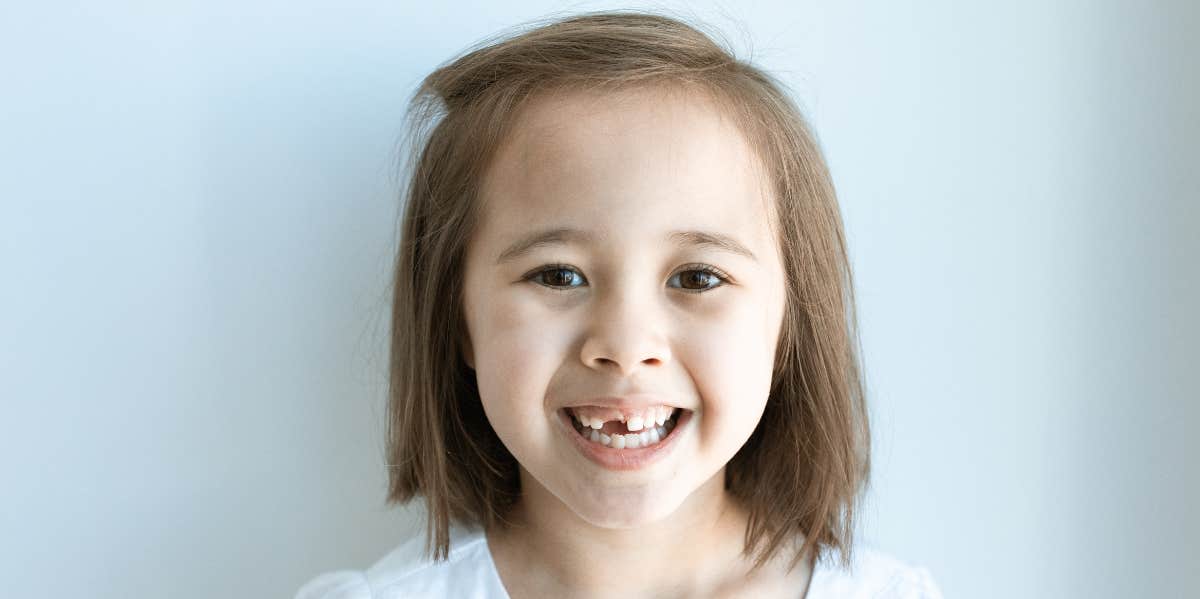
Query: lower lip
point(624, 459)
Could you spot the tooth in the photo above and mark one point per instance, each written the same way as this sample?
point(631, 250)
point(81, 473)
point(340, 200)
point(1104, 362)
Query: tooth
point(633, 441)
point(654, 436)
point(618, 441)
point(661, 416)
point(645, 436)
point(605, 439)
point(597, 424)
point(595, 436)
point(635, 423)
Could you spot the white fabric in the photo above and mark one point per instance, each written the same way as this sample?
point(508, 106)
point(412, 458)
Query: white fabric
point(470, 574)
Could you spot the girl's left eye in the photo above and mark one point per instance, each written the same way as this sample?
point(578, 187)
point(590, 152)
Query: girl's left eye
point(560, 276)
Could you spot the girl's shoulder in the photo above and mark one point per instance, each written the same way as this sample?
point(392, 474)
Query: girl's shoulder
point(407, 572)
point(871, 574)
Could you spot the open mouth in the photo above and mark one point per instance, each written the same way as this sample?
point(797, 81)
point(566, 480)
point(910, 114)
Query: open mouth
point(636, 433)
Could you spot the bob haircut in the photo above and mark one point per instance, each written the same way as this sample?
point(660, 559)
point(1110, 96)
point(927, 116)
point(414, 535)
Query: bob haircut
point(801, 471)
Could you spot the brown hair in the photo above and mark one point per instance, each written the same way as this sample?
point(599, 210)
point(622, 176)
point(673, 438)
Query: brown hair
point(803, 468)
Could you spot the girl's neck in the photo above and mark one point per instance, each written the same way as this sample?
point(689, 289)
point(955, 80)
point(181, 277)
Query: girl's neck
point(549, 551)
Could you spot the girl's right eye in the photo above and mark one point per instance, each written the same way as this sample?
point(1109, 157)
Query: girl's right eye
point(557, 277)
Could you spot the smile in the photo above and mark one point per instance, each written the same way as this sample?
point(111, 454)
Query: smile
point(616, 448)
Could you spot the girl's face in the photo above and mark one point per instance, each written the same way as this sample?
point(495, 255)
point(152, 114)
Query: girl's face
point(617, 307)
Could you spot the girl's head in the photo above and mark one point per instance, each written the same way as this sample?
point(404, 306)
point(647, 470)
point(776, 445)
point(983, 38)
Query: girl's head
point(611, 205)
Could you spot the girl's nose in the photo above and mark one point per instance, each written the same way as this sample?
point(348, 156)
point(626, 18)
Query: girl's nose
point(624, 336)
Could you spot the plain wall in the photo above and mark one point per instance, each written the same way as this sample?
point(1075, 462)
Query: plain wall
point(197, 216)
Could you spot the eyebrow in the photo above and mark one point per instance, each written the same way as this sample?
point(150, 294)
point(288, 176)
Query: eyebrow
point(563, 235)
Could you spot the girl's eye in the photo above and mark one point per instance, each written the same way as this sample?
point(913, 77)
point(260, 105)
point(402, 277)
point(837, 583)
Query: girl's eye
point(703, 277)
point(697, 278)
point(555, 277)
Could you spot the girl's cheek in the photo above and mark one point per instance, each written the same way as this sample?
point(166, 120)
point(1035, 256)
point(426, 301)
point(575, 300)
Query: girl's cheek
point(523, 332)
point(516, 315)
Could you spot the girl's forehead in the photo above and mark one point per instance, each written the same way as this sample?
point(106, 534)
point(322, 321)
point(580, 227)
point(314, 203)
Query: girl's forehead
point(559, 128)
point(639, 160)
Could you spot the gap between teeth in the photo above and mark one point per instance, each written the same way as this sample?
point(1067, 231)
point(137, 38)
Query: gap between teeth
point(635, 422)
point(651, 436)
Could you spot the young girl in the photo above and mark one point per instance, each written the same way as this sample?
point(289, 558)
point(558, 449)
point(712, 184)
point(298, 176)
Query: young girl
point(623, 352)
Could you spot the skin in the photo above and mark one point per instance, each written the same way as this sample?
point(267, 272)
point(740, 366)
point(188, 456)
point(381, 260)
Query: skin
point(628, 168)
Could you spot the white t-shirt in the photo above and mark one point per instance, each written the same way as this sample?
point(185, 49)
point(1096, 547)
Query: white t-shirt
point(469, 573)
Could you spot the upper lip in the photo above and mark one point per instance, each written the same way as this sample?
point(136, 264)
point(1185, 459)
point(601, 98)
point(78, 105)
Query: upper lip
point(633, 401)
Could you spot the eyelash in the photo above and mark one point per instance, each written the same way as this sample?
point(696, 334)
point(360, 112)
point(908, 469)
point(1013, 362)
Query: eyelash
point(712, 270)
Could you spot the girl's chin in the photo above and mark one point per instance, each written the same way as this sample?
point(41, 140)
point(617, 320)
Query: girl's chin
point(621, 505)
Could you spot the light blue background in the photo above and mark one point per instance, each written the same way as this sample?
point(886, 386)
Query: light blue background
point(197, 215)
